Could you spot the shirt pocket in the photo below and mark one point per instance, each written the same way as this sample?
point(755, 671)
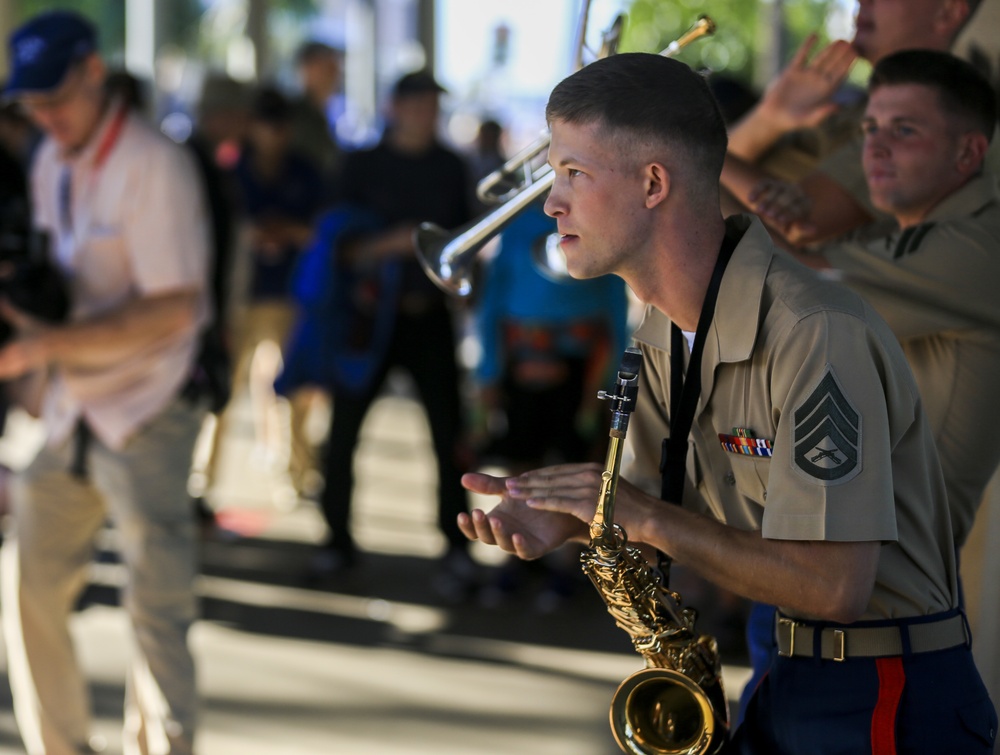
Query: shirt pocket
point(750, 475)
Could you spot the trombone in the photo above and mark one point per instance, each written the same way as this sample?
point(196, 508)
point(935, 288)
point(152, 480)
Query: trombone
point(447, 256)
point(502, 184)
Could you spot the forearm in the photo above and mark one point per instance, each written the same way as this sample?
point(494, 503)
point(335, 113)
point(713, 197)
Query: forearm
point(830, 581)
point(834, 212)
point(752, 136)
point(739, 179)
point(109, 337)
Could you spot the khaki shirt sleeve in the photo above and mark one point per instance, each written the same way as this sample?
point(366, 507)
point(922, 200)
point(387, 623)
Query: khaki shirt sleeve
point(831, 472)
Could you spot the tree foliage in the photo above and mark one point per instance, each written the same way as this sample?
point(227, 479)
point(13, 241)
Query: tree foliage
point(742, 30)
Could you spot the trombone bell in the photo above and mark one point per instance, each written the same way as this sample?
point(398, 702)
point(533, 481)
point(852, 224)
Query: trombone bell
point(448, 258)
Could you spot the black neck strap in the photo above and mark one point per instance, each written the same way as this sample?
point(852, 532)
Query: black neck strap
point(686, 388)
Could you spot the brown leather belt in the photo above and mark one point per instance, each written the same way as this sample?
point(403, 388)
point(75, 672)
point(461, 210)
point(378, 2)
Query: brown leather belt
point(798, 639)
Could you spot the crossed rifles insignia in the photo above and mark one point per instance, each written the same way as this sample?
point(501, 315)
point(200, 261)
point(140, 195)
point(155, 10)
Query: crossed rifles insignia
point(827, 433)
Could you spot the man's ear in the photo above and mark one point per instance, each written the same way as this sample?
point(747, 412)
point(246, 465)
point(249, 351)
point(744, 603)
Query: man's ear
point(657, 183)
point(950, 17)
point(972, 148)
point(95, 71)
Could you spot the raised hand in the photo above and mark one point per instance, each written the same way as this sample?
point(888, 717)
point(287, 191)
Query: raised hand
point(801, 96)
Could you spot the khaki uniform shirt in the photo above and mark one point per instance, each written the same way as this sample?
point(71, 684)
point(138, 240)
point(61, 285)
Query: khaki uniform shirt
point(935, 285)
point(807, 366)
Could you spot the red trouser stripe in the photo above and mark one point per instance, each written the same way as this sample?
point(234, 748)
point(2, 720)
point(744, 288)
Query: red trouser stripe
point(891, 680)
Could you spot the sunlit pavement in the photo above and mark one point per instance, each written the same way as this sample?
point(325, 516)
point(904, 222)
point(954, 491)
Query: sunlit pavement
point(377, 661)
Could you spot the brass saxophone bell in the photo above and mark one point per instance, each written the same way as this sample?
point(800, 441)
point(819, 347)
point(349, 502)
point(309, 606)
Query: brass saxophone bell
point(660, 711)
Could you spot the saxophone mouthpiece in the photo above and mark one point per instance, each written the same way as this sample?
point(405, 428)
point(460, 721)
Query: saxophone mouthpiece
point(631, 362)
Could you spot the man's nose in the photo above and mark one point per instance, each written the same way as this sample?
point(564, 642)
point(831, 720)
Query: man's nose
point(553, 207)
point(876, 144)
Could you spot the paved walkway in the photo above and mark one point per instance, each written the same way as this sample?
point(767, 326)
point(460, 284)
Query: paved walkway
point(377, 663)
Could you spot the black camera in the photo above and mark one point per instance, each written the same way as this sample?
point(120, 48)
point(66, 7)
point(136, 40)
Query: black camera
point(28, 279)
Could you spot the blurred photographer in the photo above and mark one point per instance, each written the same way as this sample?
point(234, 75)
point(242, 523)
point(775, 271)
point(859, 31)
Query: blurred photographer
point(126, 216)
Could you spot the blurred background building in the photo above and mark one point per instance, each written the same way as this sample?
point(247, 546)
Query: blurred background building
point(498, 60)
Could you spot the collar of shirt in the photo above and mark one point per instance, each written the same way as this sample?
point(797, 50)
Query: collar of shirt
point(734, 329)
point(98, 147)
point(968, 200)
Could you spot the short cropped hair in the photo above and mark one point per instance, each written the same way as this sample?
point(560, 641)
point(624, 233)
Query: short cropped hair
point(642, 97)
point(960, 87)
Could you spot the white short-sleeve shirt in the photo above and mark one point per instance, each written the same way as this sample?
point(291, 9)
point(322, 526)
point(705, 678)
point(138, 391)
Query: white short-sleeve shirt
point(136, 226)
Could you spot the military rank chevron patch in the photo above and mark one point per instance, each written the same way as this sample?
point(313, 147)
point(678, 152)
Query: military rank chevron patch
point(827, 433)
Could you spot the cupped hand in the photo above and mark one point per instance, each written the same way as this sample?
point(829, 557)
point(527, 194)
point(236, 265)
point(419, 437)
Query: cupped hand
point(574, 489)
point(567, 488)
point(513, 525)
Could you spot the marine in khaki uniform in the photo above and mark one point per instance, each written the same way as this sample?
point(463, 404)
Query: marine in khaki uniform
point(935, 284)
point(927, 126)
point(812, 478)
point(801, 104)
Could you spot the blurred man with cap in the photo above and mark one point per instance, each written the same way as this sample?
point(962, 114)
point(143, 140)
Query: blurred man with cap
point(408, 178)
point(125, 213)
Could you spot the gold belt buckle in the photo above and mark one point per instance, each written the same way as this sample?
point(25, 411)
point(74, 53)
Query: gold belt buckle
point(791, 624)
point(838, 644)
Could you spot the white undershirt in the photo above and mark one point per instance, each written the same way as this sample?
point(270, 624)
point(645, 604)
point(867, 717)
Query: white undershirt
point(689, 336)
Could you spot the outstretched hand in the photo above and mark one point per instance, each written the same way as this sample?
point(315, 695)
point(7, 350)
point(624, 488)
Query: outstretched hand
point(513, 525)
point(574, 489)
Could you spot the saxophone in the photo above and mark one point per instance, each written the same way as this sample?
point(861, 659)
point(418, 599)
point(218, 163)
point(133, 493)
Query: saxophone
point(676, 705)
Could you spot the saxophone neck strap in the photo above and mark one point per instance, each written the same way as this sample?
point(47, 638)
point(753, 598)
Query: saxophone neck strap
point(685, 387)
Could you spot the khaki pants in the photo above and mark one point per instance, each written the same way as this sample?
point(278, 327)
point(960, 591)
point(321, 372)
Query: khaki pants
point(56, 517)
point(260, 336)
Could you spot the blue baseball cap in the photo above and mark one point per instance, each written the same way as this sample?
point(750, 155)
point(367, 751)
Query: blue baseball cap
point(44, 50)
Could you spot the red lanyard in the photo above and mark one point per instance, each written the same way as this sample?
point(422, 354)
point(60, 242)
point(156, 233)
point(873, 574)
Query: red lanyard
point(110, 137)
point(107, 144)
